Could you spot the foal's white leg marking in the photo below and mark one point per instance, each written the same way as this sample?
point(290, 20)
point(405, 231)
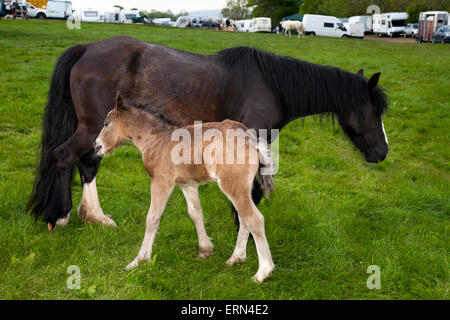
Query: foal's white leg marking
point(240, 252)
point(160, 194)
point(90, 209)
point(385, 136)
point(195, 213)
point(62, 222)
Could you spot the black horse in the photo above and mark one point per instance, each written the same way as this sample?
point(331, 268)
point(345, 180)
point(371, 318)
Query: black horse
point(259, 89)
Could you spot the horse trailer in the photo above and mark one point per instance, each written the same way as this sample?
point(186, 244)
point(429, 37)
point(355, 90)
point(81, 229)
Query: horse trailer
point(429, 22)
point(389, 24)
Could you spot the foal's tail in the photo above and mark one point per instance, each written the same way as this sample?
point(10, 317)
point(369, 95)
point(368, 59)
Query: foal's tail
point(59, 124)
point(266, 168)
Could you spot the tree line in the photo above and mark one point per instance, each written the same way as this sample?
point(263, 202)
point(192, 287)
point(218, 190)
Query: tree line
point(278, 9)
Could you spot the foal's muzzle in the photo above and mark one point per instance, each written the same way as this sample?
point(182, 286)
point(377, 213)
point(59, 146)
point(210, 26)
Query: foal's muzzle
point(98, 148)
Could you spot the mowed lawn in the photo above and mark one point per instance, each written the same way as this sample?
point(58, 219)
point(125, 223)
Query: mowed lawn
point(331, 216)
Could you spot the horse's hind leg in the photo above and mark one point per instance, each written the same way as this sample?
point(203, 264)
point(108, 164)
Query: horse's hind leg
point(240, 252)
point(89, 208)
point(195, 213)
point(257, 195)
point(239, 193)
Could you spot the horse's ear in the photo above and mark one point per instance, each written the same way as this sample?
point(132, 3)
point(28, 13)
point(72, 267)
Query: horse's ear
point(360, 73)
point(373, 81)
point(119, 100)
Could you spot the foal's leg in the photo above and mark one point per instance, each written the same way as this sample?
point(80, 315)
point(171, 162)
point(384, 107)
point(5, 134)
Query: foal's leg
point(195, 213)
point(89, 208)
point(238, 193)
point(160, 193)
point(257, 195)
point(240, 252)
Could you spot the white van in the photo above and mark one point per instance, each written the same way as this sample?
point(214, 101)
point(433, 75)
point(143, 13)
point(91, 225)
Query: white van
point(356, 29)
point(59, 9)
point(261, 25)
point(35, 12)
point(328, 26)
point(389, 24)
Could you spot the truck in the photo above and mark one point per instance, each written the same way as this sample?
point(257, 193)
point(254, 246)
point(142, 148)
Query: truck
point(389, 24)
point(328, 26)
point(365, 20)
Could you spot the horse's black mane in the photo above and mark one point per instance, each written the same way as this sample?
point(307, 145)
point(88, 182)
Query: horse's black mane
point(306, 88)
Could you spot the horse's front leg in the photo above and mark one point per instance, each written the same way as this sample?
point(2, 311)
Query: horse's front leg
point(160, 192)
point(89, 208)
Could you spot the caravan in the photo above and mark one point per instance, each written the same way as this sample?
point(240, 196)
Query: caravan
point(90, 15)
point(243, 25)
point(390, 24)
point(327, 26)
point(261, 25)
point(127, 16)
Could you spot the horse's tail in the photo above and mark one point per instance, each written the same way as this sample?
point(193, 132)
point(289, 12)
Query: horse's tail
point(266, 168)
point(59, 124)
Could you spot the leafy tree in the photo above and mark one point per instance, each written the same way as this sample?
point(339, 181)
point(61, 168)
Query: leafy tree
point(236, 10)
point(274, 9)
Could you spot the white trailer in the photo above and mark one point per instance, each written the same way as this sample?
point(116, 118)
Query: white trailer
point(389, 24)
point(356, 29)
point(328, 26)
point(90, 15)
point(112, 15)
point(365, 20)
point(261, 25)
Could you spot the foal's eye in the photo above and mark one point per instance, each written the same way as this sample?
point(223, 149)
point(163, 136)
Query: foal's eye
point(106, 123)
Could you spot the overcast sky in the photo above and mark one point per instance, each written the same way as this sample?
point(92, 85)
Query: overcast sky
point(161, 5)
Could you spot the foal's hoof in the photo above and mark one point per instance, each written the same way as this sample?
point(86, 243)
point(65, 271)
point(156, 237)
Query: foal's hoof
point(235, 260)
point(110, 222)
point(132, 265)
point(205, 252)
point(261, 276)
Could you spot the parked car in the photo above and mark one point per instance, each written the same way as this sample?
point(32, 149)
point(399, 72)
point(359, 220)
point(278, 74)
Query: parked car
point(442, 35)
point(411, 30)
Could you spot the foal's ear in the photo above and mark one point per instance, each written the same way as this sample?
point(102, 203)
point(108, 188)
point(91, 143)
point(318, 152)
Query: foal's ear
point(360, 73)
point(373, 81)
point(119, 100)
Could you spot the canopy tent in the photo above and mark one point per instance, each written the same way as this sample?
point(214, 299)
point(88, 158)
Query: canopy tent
point(293, 17)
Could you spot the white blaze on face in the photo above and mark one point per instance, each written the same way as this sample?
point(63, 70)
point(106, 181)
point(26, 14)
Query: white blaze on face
point(385, 136)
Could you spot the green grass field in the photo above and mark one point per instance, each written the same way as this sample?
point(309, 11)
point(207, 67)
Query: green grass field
point(331, 216)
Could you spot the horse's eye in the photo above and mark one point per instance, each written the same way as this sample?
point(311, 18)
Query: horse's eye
point(106, 123)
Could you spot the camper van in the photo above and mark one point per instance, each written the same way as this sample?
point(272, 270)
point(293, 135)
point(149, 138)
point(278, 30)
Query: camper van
point(261, 25)
point(127, 16)
point(59, 9)
point(365, 20)
point(327, 26)
point(389, 24)
point(429, 22)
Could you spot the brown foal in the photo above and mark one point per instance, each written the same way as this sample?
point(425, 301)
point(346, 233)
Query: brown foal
point(170, 162)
